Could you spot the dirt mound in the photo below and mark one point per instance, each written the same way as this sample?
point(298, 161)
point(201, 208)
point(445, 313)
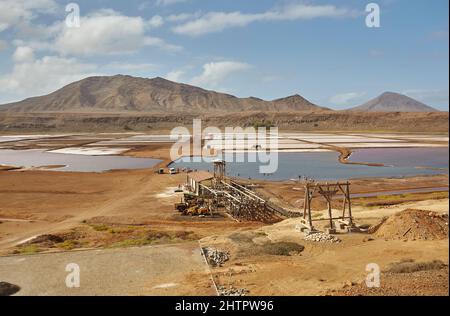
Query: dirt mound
point(414, 225)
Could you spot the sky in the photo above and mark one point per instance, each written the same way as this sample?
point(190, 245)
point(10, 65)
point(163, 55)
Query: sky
point(322, 50)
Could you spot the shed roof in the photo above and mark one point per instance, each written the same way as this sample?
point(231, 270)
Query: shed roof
point(200, 176)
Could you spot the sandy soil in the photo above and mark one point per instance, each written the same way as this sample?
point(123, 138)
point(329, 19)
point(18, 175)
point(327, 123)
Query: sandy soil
point(159, 270)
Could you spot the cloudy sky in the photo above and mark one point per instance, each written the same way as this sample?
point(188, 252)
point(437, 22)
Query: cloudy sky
point(320, 49)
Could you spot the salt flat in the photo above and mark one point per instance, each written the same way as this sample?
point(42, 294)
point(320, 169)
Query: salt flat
point(389, 145)
point(348, 140)
point(90, 151)
point(13, 138)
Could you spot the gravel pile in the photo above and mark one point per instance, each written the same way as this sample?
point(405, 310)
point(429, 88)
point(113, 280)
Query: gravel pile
point(231, 291)
point(321, 237)
point(216, 257)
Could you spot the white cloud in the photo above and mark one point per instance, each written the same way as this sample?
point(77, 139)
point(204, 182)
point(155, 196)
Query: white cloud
point(109, 32)
point(42, 76)
point(270, 78)
point(13, 12)
point(182, 17)
point(347, 98)
point(47, 74)
point(175, 75)
point(215, 73)
point(156, 21)
point(23, 54)
point(168, 2)
point(160, 43)
point(213, 22)
point(114, 67)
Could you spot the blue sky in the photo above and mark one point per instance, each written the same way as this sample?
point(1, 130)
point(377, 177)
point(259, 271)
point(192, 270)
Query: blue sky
point(322, 50)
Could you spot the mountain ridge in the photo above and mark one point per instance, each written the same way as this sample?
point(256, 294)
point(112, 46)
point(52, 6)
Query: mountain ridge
point(122, 93)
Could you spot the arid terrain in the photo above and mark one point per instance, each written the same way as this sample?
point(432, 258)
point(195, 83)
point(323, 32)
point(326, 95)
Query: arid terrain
point(44, 211)
point(436, 122)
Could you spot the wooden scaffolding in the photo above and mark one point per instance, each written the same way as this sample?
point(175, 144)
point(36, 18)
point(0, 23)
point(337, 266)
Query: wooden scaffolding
point(329, 192)
point(239, 201)
point(219, 172)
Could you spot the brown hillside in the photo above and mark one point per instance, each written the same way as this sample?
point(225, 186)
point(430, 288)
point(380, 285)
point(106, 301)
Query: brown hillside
point(130, 94)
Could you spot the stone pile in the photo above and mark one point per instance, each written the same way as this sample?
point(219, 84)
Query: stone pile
point(321, 237)
point(231, 291)
point(216, 257)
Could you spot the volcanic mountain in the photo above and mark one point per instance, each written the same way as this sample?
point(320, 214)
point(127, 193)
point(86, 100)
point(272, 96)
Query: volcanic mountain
point(393, 102)
point(121, 93)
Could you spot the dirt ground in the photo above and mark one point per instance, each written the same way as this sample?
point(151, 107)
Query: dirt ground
point(320, 268)
point(422, 283)
point(120, 209)
point(158, 270)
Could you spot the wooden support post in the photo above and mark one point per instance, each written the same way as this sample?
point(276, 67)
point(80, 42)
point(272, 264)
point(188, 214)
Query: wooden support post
point(349, 203)
point(305, 207)
point(311, 227)
point(344, 207)
point(330, 213)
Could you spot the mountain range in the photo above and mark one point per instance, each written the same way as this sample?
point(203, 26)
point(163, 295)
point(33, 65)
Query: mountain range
point(120, 93)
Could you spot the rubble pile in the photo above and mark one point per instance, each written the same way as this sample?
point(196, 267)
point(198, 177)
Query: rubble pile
point(231, 291)
point(321, 237)
point(216, 257)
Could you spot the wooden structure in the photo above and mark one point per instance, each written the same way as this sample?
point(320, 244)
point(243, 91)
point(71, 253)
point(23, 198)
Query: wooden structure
point(328, 191)
point(219, 172)
point(195, 179)
point(218, 191)
point(240, 202)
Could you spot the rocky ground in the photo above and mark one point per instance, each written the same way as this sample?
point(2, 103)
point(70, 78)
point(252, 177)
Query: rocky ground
point(420, 283)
